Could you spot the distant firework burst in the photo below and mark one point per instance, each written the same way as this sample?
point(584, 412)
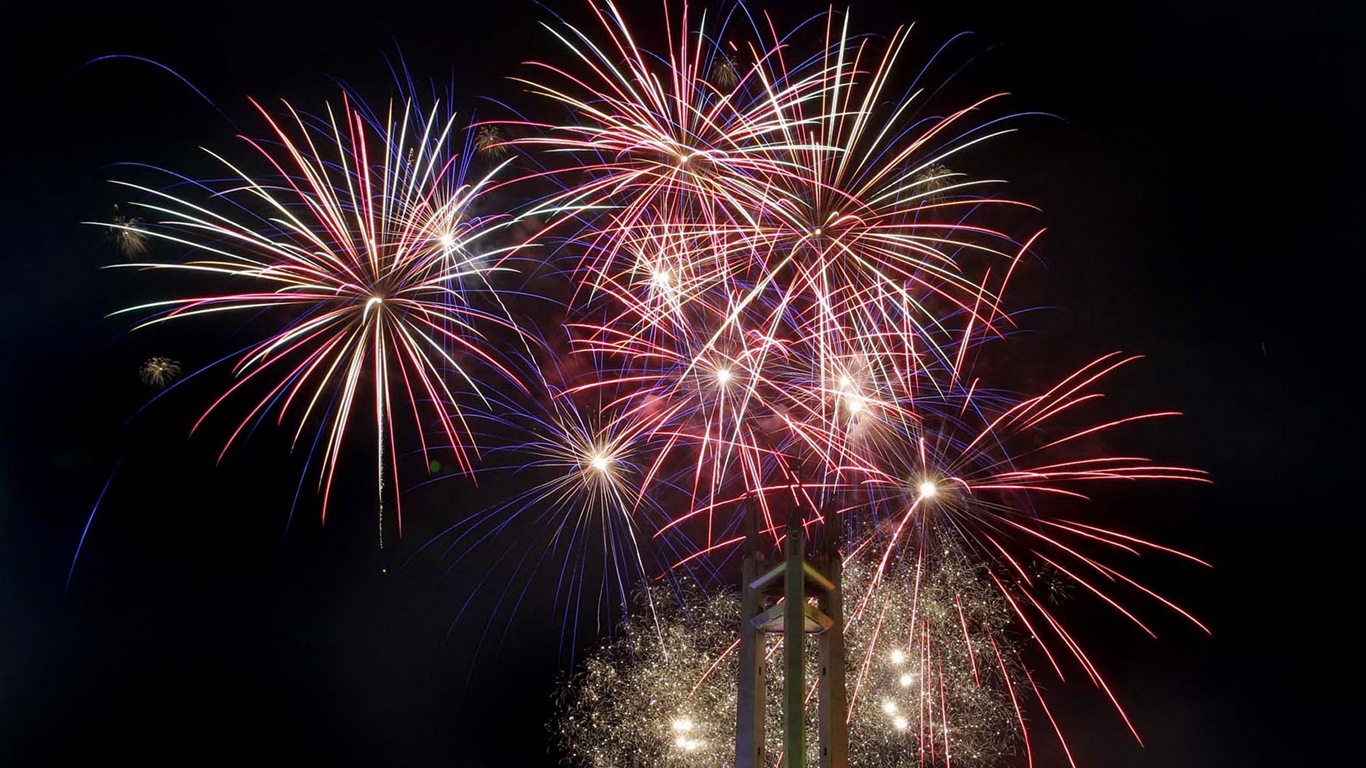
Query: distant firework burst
point(159, 372)
point(127, 236)
point(360, 258)
point(489, 140)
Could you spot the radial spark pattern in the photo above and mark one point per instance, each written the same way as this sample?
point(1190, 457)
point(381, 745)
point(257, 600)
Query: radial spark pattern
point(159, 371)
point(358, 255)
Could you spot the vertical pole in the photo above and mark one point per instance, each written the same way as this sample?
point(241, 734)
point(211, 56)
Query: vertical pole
point(794, 632)
point(834, 733)
point(749, 716)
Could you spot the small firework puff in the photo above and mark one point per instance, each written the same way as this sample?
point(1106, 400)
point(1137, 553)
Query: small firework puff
point(929, 184)
point(159, 371)
point(725, 73)
point(126, 237)
point(489, 140)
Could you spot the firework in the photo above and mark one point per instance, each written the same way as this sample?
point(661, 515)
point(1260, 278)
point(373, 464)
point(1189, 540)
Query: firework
point(159, 371)
point(936, 678)
point(576, 518)
point(955, 469)
point(358, 256)
point(936, 689)
point(780, 304)
point(934, 182)
point(649, 141)
point(128, 239)
point(725, 72)
point(489, 140)
point(978, 488)
point(786, 292)
point(745, 241)
point(573, 520)
point(661, 695)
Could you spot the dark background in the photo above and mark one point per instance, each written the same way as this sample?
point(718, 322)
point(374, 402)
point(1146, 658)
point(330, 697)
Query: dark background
point(1202, 193)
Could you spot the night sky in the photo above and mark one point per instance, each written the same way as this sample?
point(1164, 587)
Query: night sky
point(1200, 185)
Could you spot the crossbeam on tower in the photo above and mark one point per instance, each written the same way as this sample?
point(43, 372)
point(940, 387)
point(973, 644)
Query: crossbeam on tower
point(778, 600)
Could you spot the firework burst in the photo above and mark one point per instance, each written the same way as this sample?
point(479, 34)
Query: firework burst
point(159, 371)
point(653, 143)
point(128, 239)
point(489, 140)
point(358, 255)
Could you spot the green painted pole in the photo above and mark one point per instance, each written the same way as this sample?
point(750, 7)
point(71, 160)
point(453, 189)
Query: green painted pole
point(749, 717)
point(834, 731)
point(794, 633)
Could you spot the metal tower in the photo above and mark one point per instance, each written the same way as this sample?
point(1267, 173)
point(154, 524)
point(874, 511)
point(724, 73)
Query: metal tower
point(778, 599)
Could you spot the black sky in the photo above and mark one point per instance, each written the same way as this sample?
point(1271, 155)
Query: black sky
point(1202, 193)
